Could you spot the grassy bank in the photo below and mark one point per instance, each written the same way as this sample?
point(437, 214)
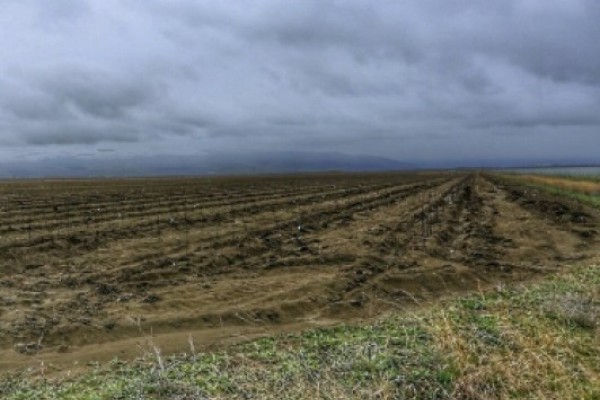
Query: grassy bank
point(586, 190)
point(539, 341)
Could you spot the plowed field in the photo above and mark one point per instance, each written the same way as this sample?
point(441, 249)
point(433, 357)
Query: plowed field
point(91, 270)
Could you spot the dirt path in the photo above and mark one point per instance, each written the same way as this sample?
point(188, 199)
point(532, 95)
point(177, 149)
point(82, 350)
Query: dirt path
point(237, 258)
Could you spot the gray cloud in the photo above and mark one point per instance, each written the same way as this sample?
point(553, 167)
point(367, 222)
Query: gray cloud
point(96, 95)
point(77, 133)
point(385, 78)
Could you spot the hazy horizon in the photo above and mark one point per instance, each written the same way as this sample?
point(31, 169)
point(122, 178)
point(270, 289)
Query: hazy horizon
point(261, 163)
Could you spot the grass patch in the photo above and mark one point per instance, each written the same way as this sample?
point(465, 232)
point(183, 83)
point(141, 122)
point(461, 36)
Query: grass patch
point(539, 341)
point(584, 190)
point(591, 199)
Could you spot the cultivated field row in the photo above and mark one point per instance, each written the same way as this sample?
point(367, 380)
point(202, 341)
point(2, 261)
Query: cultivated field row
point(216, 257)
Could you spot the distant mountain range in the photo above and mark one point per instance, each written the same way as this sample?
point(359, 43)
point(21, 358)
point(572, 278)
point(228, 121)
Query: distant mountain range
point(214, 164)
point(239, 163)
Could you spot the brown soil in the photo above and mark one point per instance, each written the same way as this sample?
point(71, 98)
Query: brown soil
point(92, 270)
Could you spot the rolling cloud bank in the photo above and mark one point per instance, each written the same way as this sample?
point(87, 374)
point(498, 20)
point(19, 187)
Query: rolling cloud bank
point(420, 82)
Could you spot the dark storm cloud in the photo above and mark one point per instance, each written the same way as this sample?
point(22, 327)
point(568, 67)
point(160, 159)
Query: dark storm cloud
point(381, 77)
point(91, 93)
point(77, 133)
point(68, 92)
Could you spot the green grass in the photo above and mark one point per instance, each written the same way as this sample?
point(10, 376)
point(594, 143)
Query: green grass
point(536, 341)
point(591, 199)
point(586, 198)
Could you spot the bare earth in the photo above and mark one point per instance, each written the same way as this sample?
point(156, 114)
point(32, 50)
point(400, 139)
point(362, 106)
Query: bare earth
point(92, 270)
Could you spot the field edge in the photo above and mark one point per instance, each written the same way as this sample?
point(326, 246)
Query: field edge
point(535, 340)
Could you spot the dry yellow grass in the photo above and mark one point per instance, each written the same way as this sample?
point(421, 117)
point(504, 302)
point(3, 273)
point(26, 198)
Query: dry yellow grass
point(578, 185)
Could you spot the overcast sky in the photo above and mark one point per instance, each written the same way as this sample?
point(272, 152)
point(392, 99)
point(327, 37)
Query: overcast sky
point(411, 80)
